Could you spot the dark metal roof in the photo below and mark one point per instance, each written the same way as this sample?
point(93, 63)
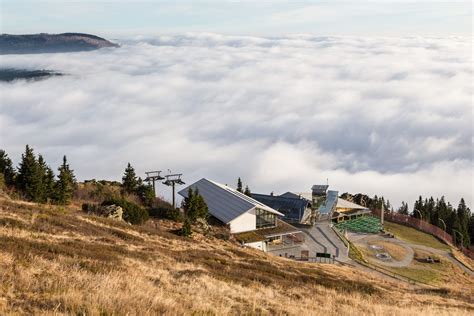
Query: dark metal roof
point(290, 195)
point(223, 202)
point(293, 208)
point(319, 188)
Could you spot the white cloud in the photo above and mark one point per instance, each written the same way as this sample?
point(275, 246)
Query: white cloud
point(389, 116)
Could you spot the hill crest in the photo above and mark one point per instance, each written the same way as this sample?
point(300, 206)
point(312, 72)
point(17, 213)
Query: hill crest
point(51, 43)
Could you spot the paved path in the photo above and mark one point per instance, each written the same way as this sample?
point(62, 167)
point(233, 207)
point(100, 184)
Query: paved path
point(364, 238)
point(445, 254)
point(410, 253)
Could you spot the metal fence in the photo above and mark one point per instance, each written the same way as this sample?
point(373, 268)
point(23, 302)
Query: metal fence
point(423, 226)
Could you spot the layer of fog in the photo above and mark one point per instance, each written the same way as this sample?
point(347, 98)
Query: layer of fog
point(390, 116)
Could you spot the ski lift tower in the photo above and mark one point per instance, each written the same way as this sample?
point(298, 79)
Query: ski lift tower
point(172, 180)
point(153, 176)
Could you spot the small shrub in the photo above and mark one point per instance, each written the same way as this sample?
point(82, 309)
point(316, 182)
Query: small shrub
point(166, 213)
point(90, 208)
point(186, 230)
point(222, 235)
point(2, 182)
point(132, 213)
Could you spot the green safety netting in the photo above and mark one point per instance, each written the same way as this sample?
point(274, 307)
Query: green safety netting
point(364, 224)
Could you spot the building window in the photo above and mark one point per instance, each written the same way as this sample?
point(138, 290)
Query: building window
point(265, 219)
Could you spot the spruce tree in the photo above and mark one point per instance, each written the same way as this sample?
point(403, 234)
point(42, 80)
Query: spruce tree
point(463, 214)
point(41, 169)
point(48, 184)
point(432, 216)
point(239, 185)
point(247, 191)
point(202, 210)
point(188, 201)
point(65, 184)
point(186, 228)
point(195, 207)
point(418, 207)
point(29, 179)
point(471, 229)
point(403, 209)
point(6, 168)
point(129, 180)
point(145, 192)
point(455, 227)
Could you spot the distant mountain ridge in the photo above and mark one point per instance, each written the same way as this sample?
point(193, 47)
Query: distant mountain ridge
point(51, 43)
point(11, 74)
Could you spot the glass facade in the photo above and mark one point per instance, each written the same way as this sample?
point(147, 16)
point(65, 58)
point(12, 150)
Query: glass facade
point(265, 219)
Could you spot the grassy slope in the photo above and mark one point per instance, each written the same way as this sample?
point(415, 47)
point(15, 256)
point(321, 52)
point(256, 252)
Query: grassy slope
point(414, 236)
point(437, 274)
point(55, 260)
point(397, 252)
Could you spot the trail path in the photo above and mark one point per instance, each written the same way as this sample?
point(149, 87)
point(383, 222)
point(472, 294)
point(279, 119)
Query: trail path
point(409, 247)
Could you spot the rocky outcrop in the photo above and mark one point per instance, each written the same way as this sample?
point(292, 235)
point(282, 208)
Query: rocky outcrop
point(51, 43)
point(112, 211)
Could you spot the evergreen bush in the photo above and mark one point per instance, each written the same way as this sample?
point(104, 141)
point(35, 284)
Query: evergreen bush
point(132, 213)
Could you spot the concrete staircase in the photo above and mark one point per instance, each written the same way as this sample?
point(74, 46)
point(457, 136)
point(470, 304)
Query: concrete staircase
point(322, 238)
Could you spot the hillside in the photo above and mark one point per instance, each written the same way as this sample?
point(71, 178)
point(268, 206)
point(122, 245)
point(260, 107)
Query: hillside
point(51, 43)
point(60, 260)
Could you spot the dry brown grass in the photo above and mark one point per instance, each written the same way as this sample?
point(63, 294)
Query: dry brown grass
point(397, 252)
point(468, 262)
point(59, 261)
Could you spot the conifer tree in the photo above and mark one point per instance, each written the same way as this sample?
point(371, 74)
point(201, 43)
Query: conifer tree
point(455, 227)
point(145, 192)
point(202, 210)
point(41, 169)
point(239, 185)
point(6, 168)
point(65, 184)
point(48, 184)
point(29, 179)
point(432, 216)
point(471, 229)
point(247, 191)
point(129, 180)
point(186, 230)
point(418, 208)
point(188, 201)
point(195, 206)
point(403, 209)
point(463, 214)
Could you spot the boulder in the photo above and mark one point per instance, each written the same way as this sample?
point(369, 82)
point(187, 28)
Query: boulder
point(112, 211)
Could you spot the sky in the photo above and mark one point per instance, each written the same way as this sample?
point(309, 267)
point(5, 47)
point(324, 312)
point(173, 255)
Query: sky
point(357, 17)
point(374, 97)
